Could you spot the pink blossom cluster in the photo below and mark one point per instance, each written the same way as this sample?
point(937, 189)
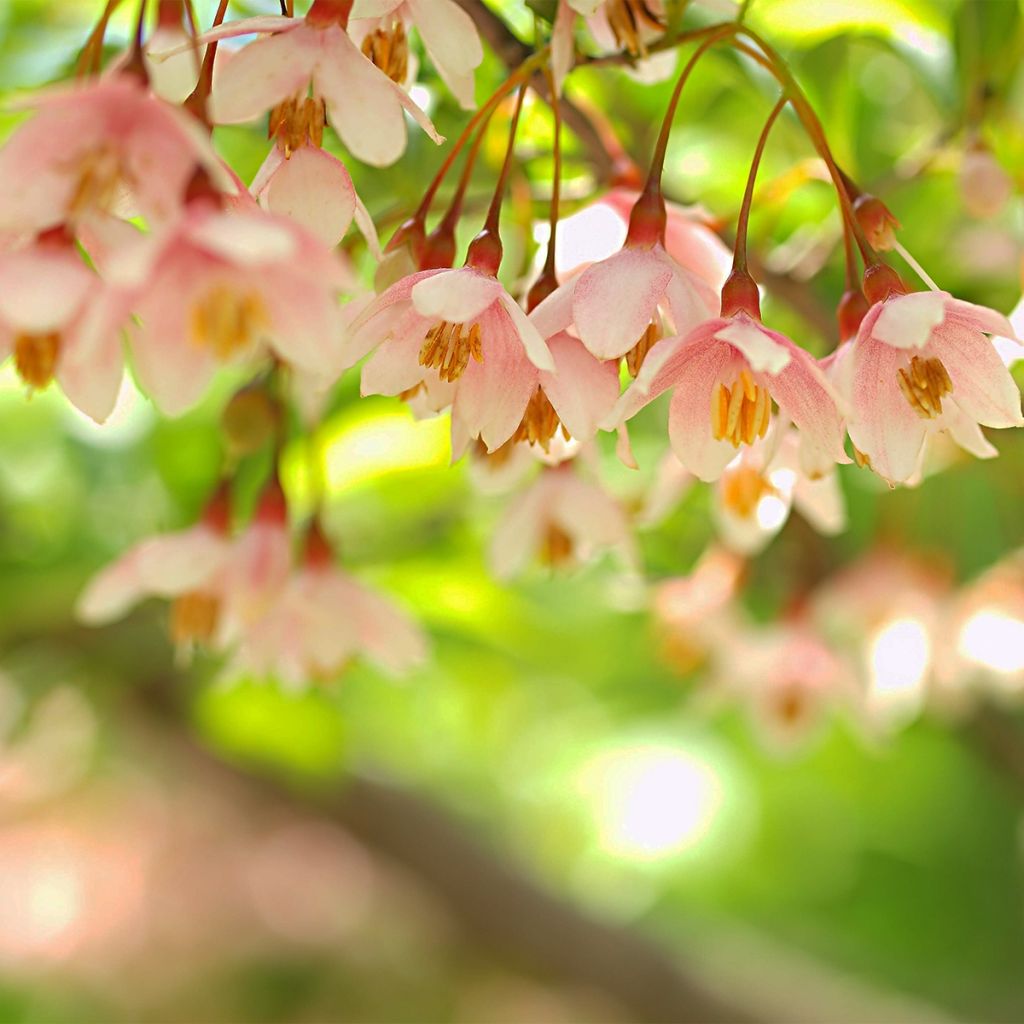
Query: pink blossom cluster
point(127, 234)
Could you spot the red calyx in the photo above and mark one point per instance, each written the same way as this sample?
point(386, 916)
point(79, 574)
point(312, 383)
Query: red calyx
point(217, 514)
point(200, 189)
point(876, 221)
point(273, 506)
point(170, 13)
point(318, 550)
point(485, 252)
point(541, 289)
point(438, 249)
point(647, 220)
point(881, 281)
point(740, 295)
point(324, 13)
point(850, 312)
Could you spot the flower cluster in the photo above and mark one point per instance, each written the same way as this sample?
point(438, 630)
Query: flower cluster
point(126, 232)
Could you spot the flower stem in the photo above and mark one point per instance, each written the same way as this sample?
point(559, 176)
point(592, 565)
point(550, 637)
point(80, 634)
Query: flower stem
point(494, 212)
point(548, 280)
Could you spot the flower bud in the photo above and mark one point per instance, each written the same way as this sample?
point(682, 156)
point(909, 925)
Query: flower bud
point(876, 221)
point(984, 186)
point(485, 252)
point(881, 281)
point(647, 219)
point(740, 295)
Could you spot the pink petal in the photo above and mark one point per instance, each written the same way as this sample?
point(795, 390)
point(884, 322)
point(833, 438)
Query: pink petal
point(690, 299)
point(616, 299)
point(262, 74)
point(518, 534)
point(450, 38)
point(91, 368)
point(907, 321)
point(247, 239)
point(554, 314)
point(583, 390)
point(966, 432)
point(882, 422)
point(529, 337)
point(980, 317)
point(763, 349)
point(458, 296)
point(395, 366)
point(391, 640)
point(563, 44)
point(689, 418)
point(315, 190)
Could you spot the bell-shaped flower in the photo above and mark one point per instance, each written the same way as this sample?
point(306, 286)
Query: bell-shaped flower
point(107, 146)
point(218, 286)
point(321, 620)
point(923, 363)
point(57, 322)
point(364, 106)
point(446, 30)
point(563, 520)
point(458, 328)
point(724, 376)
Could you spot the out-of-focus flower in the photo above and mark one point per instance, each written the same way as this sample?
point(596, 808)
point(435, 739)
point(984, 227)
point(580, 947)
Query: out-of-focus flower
point(364, 106)
point(984, 186)
point(108, 146)
point(922, 363)
point(56, 322)
point(563, 520)
point(175, 78)
point(322, 619)
point(724, 375)
point(447, 31)
point(218, 286)
point(459, 328)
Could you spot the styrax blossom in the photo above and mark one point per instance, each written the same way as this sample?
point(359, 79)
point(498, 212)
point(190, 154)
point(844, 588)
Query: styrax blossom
point(106, 146)
point(56, 324)
point(186, 567)
point(300, 180)
point(622, 305)
point(462, 330)
point(598, 231)
point(218, 286)
point(757, 490)
point(725, 375)
point(321, 620)
point(447, 31)
point(563, 520)
point(922, 363)
point(364, 106)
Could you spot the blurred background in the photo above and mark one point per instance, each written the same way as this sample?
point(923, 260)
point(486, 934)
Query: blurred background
point(577, 811)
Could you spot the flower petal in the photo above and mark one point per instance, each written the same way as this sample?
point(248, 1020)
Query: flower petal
point(458, 296)
point(529, 337)
point(907, 321)
point(762, 348)
point(450, 38)
point(315, 190)
point(583, 389)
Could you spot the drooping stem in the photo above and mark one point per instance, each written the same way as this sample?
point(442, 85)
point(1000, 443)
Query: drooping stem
point(547, 279)
point(494, 211)
point(739, 259)
point(89, 59)
point(196, 101)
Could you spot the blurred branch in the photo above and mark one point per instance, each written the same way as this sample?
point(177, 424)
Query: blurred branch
point(512, 51)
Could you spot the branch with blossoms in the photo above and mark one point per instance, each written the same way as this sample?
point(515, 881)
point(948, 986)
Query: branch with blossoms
point(126, 231)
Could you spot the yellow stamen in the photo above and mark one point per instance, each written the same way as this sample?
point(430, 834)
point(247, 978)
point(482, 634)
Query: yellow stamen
point(743, 487)
point(193, 618)
point(924, 383)
point(35, 358)
point(861, 458)
point(227, 322)
point(388, 48)
point(556, 548)
point(627, 19)
point(540, 422)
point(296, 121)
point(100, 178)
point(638, 353)
point(447, 347)
point(741, 414)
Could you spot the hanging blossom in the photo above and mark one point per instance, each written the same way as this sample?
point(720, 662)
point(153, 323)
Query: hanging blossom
point(447, 31)
point(104, 147)
point(57, 323)
point(623, 305)
point(219, 286)
point(563, 520)
point(462, 337)
point(298, 179)
point(724, 376)
point(363, 105)
point(923, 363)
point(321, 620)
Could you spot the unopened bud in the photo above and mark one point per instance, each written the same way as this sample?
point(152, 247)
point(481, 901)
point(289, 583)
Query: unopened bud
point(250, 420)
point(647, 219)
point(876, 221)
point(881, 281)
point(850, 312)
point(485, 252)
point(740, 295)
point(984, 186)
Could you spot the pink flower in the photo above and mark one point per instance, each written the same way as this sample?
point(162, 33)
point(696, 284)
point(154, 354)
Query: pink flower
point(363, 105)
point(320, 621)
point(105, 146)
point(599, 230)
point(563, 520)
point(922, 363)
point(724, 375)
point(623, 305)
point(218, 286)
point(459, 329)
point(57, 322)
point(447, 31)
